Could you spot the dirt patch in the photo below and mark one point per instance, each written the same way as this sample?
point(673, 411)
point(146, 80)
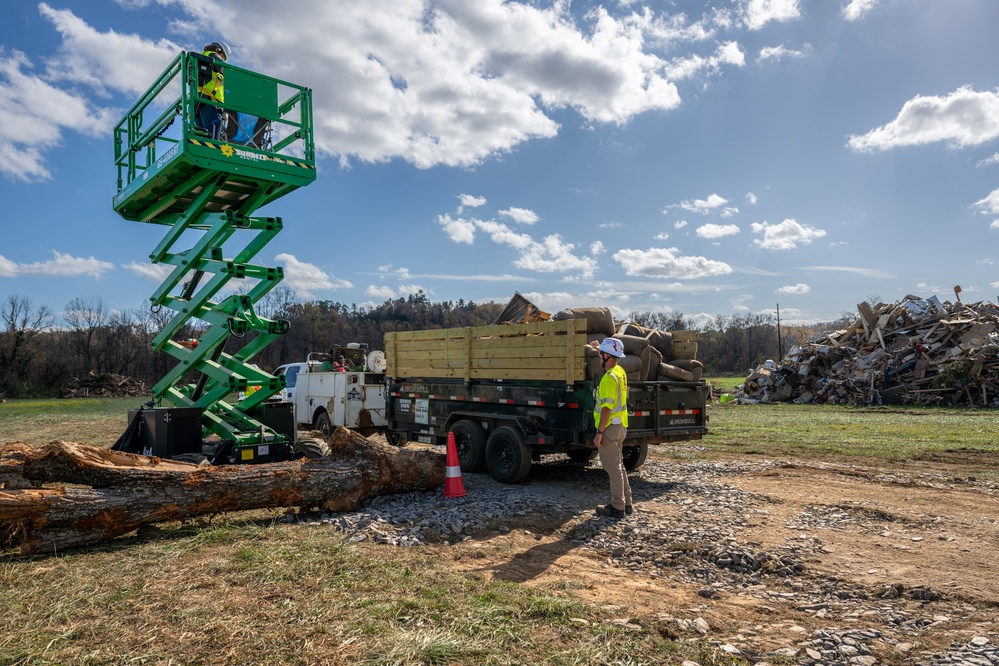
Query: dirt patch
point(904, 553)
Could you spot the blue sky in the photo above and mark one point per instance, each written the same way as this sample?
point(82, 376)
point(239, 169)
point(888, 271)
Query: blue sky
point(707, 159)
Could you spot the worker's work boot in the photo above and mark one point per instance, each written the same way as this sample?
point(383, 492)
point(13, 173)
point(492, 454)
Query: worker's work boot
point(610, 511)
point(629, 509)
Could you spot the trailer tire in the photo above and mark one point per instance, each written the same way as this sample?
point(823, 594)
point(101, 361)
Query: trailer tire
point(634, 456)
point(312, 449)
point(470, 443)
point(324, 425)
point(507, 456)
point(581, 456)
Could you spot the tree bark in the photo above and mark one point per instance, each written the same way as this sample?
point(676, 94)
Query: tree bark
point(114, 493)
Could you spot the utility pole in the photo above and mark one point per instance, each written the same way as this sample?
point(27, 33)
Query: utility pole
point(780, 345)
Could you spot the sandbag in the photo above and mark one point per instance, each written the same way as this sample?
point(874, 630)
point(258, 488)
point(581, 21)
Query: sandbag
point(598, 320)
point(594, 370)
point(672, 372)
point(632, 343)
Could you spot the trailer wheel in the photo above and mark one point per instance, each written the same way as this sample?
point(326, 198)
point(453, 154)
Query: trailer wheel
point(312, 449)
point(324, 425)
point(634, 456)
point(507, 456)
point(470, 442)
point(581, 455)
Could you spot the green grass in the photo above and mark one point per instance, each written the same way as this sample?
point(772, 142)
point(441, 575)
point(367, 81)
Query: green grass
point(726, 383)
point(827, 431)
point(96, 421)
point(308, 598)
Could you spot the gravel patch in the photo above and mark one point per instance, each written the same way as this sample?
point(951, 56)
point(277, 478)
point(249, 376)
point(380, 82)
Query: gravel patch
point(700, 544)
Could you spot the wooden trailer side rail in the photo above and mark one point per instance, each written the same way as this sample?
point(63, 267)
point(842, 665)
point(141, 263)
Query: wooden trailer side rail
point(543, 351)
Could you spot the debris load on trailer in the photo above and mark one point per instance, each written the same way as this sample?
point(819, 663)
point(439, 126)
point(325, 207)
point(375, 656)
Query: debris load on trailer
point(918, 351)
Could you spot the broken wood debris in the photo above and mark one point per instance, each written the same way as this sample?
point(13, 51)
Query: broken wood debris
point(918, 351)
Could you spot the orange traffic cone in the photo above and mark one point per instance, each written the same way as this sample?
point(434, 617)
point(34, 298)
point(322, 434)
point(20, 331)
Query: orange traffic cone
point(453, 485)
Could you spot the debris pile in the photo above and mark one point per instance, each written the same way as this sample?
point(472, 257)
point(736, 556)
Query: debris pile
point(105, 385)
point(916, 351)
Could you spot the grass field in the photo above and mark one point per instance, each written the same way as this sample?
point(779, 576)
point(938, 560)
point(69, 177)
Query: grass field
point(245, 589)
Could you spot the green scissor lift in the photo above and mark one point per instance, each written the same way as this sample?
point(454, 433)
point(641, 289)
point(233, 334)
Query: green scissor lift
point(204, 192)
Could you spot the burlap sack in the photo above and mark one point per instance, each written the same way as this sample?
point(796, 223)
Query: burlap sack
point(593, 367)
point(695, 367)
point(598, 320)
point(651, 358)
point(632, 367)
point(663, 341)
point(677, 374)
point(632, 343)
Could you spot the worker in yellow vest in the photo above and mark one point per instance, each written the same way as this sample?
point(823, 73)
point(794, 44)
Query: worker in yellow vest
point(212, 86)
point(610, 415)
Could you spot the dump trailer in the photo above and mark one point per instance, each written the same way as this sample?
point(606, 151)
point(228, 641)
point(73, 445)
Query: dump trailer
point(513, 393)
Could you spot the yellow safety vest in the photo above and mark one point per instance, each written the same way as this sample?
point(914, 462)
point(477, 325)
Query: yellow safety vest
point(214, 89)
point(612, 393)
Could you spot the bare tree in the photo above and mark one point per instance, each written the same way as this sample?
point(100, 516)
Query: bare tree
point(86, 317)
point(22, 323)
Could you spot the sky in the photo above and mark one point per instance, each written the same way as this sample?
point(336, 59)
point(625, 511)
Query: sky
point(708, 159)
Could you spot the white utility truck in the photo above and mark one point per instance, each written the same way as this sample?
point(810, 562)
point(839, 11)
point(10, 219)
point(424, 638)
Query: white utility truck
point(342, 387)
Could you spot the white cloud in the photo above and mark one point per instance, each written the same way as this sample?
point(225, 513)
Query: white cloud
point(963, 118)
point(61, 265)
point(777, 53)
point(717, 230)
point(757, 13)
point(469, 201)
point(154, 272)
point(667, 263)
point(520, 215)
point(443, 83)
point(597, 248)
point(458, 230)
point(661, 236)
point(994, 225)
point(857, 8)
point(796, 289)
point(551, 254)
point(751, 198)
point(989, 205)
point(787, 235)
point(383, 292)
point(680, 224)
point(703, 206)
point(865, 272)
point(306, 279)
point(989, 161)
point(687, 67)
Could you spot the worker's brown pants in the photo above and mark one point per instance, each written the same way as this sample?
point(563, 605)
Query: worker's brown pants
point(610, 459)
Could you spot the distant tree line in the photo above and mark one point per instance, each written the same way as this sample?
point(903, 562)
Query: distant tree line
point(40, 357)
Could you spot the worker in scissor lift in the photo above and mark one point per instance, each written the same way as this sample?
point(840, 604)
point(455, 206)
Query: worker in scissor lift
point(211, 85)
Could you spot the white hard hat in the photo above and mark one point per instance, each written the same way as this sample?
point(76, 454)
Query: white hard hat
point(612, 346)
point(220, 47)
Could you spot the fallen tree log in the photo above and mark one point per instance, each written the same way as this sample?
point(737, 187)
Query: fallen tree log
point(114, 493)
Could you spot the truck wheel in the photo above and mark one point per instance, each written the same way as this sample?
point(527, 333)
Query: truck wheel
point(470, 442)
point(581, 455)
point(634, 456)
point(192, 458)
point(312, 449)
point(324, 425)
point(395, 439)
point(507, 456)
